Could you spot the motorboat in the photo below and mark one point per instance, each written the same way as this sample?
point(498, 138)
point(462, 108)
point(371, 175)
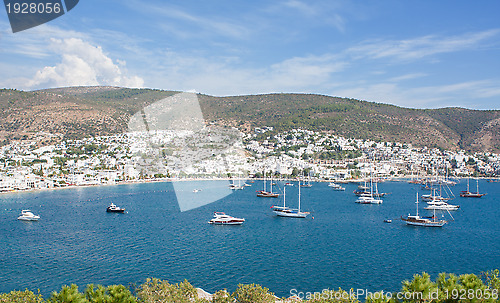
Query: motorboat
point(27, 215)
point(368, 200)
point(221, 218)
point(114, 209)
point(336, 186)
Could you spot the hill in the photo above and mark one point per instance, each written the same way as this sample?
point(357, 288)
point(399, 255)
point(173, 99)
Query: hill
point(85, 111)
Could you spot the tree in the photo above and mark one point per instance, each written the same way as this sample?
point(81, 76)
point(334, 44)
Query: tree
point(335, 296)
point(222, 296)
point(156, 290)
point(447, 284)
point(420, 289)
point(68, 294)
point(253, 293)
point(110, 294)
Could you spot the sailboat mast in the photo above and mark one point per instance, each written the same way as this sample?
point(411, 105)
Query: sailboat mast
point(299, 197)
point(284, 196)
point(264, 180)
point(417, 204)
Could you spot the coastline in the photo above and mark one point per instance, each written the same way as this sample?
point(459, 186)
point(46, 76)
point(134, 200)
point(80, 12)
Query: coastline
point(166, 180)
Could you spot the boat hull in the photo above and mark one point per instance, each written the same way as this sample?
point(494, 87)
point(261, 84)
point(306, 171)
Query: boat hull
point(291, 214)
point(424, 223)
point(21, 218)
point(226, 222)
point(122, 210)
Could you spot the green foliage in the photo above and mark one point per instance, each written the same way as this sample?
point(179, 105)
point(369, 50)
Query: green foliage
point(110, 294)
point(222, 296)
point(333, 296)
point(421, 286)
point(18, 296)
point(448, 288)
point(68, 294)
point(253, 293)
point(156, 290)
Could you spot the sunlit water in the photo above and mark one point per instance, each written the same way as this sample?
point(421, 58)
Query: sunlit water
point(343, 244)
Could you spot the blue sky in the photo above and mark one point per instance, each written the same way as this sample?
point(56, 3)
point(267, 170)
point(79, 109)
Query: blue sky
point(420, 54)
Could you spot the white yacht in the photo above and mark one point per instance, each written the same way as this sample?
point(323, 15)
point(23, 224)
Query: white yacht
point(368, 200)
point(441, 205)
point(27, 215)
point(221, 218)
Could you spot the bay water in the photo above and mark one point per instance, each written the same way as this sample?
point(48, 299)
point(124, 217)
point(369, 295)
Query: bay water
point(341, 244)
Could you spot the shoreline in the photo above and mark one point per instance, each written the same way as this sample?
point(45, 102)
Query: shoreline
point(171, 180)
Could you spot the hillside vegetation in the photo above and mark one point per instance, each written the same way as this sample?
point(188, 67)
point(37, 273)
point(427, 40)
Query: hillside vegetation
point(85, 111)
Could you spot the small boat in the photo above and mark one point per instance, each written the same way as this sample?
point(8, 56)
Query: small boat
point(196, 190)
point(388, 221)
point(336, 186)
point(221, 218)
point(468, 194)
point(423, 221)
point(27, 215)
point(114, 209)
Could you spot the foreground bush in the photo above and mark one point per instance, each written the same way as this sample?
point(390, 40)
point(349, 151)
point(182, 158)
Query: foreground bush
point(156, 290)
point(21, 297)
point(448, 288)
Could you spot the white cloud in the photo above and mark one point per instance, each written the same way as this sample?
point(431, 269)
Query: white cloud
point(417, 48)
point(82, 64)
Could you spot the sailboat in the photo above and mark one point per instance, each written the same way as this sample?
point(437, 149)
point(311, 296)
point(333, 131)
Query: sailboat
point(233, 186)
point(308, 184)
point(368, 198)
point(434, 196)
point(267, 194)
point(468, 194)
point(285, 211)
point(423, 221)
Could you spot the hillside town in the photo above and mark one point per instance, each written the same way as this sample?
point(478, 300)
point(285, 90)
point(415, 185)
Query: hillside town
point(216, 153)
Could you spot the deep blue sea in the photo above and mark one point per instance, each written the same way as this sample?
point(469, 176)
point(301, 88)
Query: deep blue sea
point(343, 244)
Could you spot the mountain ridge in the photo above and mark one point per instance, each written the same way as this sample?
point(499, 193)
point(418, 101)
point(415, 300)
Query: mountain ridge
point(76, 112)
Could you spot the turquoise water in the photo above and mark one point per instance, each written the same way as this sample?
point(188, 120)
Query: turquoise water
point(346, 244)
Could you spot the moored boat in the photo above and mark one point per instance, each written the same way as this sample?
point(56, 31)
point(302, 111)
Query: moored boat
point(114, 209)
point(285, 211)
point(469, 194)
point(27, 215)
point(221, 218)
point(368, 200)
point(416, 220)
